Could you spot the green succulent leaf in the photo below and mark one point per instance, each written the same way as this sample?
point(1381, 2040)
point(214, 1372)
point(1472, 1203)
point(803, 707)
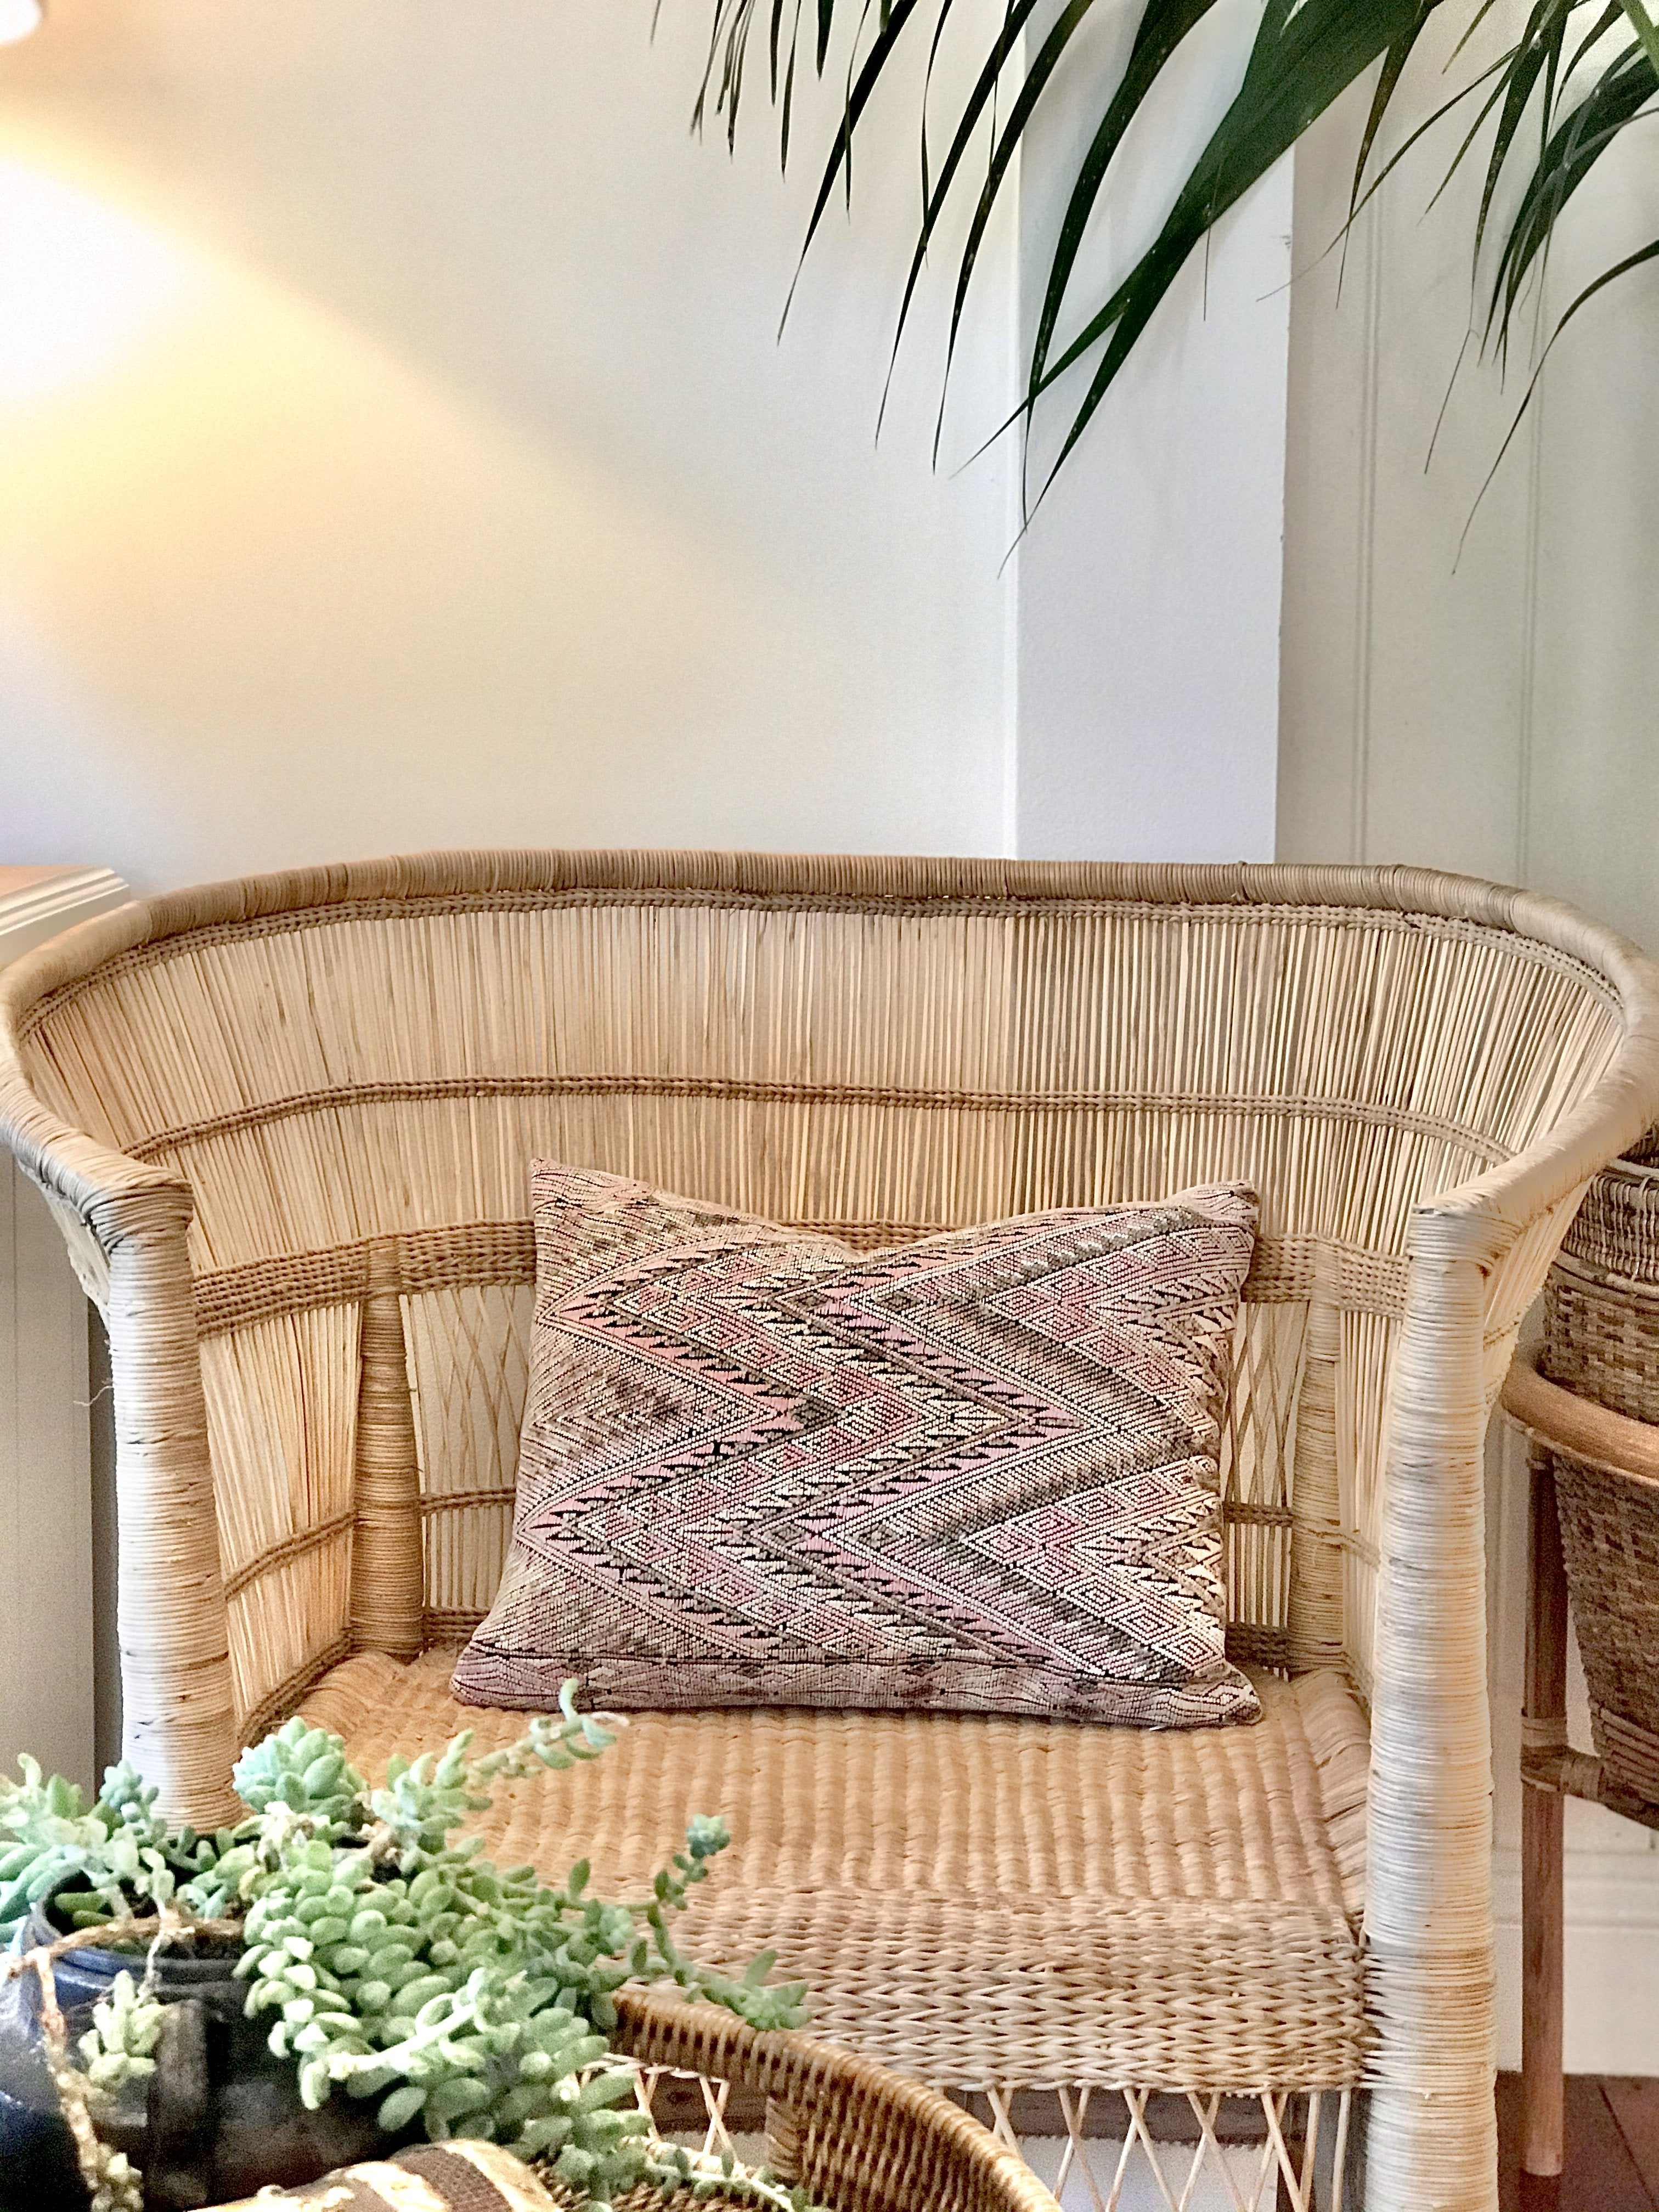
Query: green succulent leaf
point(304, 1769)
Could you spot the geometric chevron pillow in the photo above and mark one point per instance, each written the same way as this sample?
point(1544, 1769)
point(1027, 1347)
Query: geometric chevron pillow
point(974, 1473)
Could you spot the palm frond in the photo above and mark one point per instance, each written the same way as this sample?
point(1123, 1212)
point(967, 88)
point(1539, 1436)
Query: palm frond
point(1581, 133)
point(1575, 79)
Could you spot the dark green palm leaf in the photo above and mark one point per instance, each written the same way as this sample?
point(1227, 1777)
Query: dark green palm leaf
point(1537, 55)
point(1304, 57)
point(1163, 28)
point(1305, 54)
point(1388, 83)
point(1574, 147)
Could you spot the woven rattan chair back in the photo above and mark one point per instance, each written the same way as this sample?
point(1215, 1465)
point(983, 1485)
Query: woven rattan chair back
point(288, 1120)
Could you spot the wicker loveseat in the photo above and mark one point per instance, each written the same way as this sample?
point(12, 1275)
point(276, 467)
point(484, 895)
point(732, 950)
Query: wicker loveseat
point(285, 1124)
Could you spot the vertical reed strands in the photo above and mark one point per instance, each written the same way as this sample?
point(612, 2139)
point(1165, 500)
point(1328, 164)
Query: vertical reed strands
point(282, 1402)
point(1419, 1074)
point(1316, 1608)
point(1428, 1915)
point(469, 1353)
point(177, 1721)
point(387, 1592)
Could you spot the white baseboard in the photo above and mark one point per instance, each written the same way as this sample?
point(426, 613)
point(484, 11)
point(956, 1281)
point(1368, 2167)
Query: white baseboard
point(1612, 1900)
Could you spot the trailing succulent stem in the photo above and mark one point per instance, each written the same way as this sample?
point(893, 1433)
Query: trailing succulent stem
point(392, 1959)
point(49, 1843)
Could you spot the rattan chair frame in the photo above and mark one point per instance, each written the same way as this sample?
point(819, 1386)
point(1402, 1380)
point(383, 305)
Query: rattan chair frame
point(1423, 1073)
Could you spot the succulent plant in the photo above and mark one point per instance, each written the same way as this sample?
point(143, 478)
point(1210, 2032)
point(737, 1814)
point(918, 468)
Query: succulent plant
point(392, 1959)
point(304, 1769)
point(49, 1842)
point(120, 2045)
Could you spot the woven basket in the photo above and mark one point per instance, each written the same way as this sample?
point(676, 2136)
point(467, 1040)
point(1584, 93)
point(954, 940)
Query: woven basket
point(1602, 1341)
point(857, 2138)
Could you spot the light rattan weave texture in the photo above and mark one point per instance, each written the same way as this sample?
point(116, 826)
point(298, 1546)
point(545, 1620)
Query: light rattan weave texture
point(285, 1124)
point(975, 1899)
point(857, 2138)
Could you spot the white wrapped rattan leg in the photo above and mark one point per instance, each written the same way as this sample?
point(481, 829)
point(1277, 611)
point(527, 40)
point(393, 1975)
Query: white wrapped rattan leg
point(1432, 2134)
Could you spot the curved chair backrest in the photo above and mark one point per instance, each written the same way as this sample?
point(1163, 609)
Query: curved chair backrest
point(254, 1104)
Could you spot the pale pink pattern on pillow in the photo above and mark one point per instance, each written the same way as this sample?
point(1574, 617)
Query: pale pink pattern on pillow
point(977, 1472)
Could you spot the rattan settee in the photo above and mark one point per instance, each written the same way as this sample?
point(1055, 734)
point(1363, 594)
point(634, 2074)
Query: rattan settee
point(285, 1122)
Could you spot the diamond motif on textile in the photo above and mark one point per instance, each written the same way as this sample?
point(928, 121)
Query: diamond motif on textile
point(977, 1472)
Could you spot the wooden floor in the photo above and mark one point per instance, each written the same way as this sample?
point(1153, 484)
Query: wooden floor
point(1613, 2146)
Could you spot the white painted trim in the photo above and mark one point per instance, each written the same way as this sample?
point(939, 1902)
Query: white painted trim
point(1612, 1900)
point(1604, 1889)
point(46, 1471)
point(37, 904)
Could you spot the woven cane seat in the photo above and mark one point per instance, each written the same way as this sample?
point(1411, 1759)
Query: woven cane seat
point(975, 1899)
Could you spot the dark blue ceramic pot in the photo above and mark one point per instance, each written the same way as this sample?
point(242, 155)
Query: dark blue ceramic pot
point(222, 2118)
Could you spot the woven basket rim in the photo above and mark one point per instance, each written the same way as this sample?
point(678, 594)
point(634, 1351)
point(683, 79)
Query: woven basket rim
point(1574, 1264)
point(1612, 1243)
point(1626, 1178)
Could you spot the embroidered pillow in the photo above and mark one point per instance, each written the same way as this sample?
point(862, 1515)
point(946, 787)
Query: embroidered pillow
point(975, 1473)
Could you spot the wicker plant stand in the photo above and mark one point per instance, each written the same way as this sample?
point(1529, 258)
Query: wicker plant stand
point(856, 2137)
point(1590, 1409)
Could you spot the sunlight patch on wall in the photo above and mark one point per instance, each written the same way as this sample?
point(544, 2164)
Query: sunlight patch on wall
point(19, 18)
point(87, 289)
point(243, 538)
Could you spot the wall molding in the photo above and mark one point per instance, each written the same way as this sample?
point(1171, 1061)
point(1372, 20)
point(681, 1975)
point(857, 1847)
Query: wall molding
point(37, 903)
point(1611, 1900)
point(46, 1571)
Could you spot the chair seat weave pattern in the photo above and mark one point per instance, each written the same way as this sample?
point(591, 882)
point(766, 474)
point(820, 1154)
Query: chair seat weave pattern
point(974, 1899)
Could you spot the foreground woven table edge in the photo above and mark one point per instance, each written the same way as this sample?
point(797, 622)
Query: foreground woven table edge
point(454, 2177)
point(857, 2137)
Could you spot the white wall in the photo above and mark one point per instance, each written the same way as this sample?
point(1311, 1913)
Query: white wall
point(414, 461)
point(48, 1512)
point(1492, 713)
point(395, 450)
point(1147, 674)
point(1487, 702)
